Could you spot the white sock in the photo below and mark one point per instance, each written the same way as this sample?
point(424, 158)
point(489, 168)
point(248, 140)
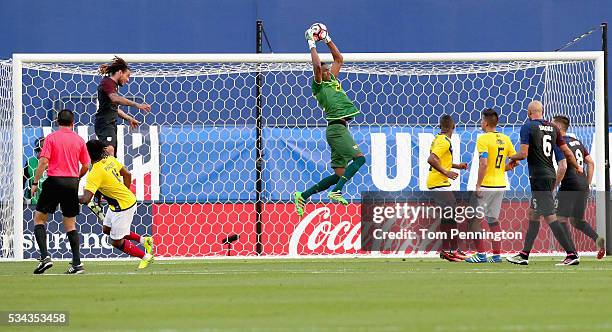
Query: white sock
point(142, 239)
point(147, 256)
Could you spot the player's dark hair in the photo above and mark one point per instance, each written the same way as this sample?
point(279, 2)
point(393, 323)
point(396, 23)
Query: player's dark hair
point(563, 121)
point(446, 122)
point(96, 150)
point(118, 64)
point(491, 116)
point(65, 118)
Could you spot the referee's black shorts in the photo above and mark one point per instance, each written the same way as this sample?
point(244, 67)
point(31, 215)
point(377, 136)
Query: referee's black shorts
point(59, 190)
point(542, 199)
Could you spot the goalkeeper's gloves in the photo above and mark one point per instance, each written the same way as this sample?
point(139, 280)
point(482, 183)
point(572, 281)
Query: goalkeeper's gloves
point(327, 38)
point(310, 39)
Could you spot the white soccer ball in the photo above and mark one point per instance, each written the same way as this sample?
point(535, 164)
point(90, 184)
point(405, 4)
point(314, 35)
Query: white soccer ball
point(319, 31)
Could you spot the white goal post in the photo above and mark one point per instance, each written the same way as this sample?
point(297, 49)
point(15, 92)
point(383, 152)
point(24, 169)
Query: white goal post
point(428, 79)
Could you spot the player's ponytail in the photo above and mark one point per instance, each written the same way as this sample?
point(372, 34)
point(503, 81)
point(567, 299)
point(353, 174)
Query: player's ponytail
point(104, 68)
point(118, 64)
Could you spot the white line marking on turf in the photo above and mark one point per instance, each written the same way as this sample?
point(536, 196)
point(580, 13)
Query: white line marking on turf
point(530, 327)
point(239, 272)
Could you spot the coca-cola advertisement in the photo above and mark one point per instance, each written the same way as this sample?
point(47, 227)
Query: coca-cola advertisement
point(197, 230)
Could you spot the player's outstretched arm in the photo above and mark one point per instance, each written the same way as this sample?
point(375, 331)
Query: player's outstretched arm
point(338, 59)
point(337, 56)
point(133, 122)
point(117, 99)
point(522, 154)
point(314, 56)
point(316, 65)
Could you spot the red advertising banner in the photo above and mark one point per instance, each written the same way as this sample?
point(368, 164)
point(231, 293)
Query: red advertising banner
point(195, 230)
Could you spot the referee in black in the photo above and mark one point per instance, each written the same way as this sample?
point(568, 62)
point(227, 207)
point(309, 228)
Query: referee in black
point(61, 155)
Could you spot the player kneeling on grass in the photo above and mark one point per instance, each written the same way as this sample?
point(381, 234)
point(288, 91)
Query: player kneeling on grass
point(493, 149)
point(106, 176)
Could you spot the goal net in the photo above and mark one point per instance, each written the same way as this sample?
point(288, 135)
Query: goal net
point(194, 159)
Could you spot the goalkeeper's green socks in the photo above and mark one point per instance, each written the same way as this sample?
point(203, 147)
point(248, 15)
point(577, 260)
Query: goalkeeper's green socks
point(333, 179)
point(349, 172)
point(322, 185)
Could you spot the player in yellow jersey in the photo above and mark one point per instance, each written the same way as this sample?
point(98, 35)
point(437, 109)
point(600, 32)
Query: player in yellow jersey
point(441, 162)
point(113, 180)
point(493, 150)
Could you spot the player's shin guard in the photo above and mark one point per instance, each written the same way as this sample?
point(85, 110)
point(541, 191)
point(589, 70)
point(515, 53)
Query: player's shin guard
point(322, 185)
point(40, 232)
point(561, 237)
point(73, 239)
point(585, 228)
point(130, 249)
point(350, 171)
point(530, 236)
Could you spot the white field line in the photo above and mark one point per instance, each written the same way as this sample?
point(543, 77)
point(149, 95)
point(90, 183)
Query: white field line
point(518, 270)
point(529, 327)
point(291, 258)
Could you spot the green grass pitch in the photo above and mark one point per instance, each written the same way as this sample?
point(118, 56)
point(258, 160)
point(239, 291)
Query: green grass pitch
point(317, 295)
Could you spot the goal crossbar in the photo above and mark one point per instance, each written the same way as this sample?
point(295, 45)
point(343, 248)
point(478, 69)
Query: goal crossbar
point(305, 57)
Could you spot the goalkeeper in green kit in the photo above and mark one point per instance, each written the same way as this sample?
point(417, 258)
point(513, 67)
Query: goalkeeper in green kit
point(346, 158)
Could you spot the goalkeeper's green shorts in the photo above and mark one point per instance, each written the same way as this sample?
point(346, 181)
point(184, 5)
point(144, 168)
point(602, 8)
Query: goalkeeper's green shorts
point(342, 144)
